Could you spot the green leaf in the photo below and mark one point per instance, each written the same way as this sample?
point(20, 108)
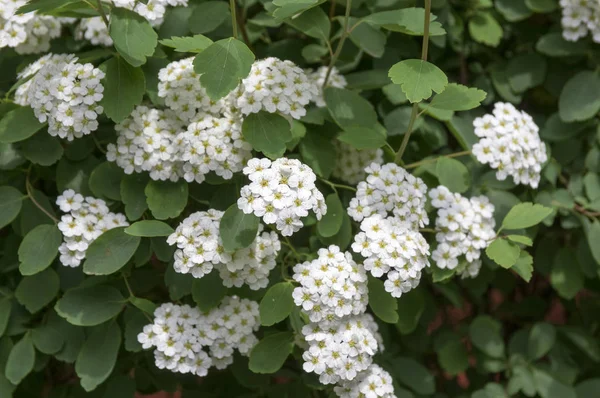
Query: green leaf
point(583, 340)
point(267, 133)
point(149, 228)
point(5, 310)
point(457, 97)
point(18, 125)
point(383, 305)
point(513, 10)
point(524, 266)
point(194, 44)
point(368, 38)
point(542, 337)
point(133, 196)
point(349, 109)
point(271, 352)
point(485, 333)
point(314, 23)
point(105, 181)
point(39, 248)
point(132, 35)
point(554, 45)
point(412, 306)
point(503, 252)
point(588, 388)
point(413, 375)
point(42, 149)
point(579, 98)
point(208, 16)
point(453, 357)
point(11, 201)
point(98, 355)
point(524, 240)
point(48, 338)
point(526, 71)
point(484, 29)
point(542, 6)
point(525, 215)
point(134, 324)
point(453, 174)
point(208, 291)
point(344, 236)
point(410, 21)
point(277, 303)
point(331, 222)
point(418, 78)
point(237, 230)
point(36, 291)
point(289, 8)
point(90, 306)
point(549, 387)
point(110, 252)
point(166, 199)
point(143, 304)
point(362, 137)
point(318, 152)
point(222, 65)
point(124, 88)
point(20, 360)
point(565, 276)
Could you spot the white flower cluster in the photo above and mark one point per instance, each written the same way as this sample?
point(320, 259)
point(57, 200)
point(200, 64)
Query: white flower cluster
point(188, 341)
point(27, 33)
point(390, 188)
point(464, 228)
point(180, 86)
point(339, 350)
point(64, 93)
point(372, 383)
point(336, 79)
point(331, 286)
point(147, 141)
point(393, 247)
point(156, 141)
point(152, 10)
point(274, 85)
point(580, 18)
point(93, 30)
point(200, 249)
point(281, 192)
point(510, 144)
point(350, 163)
point(87, 219)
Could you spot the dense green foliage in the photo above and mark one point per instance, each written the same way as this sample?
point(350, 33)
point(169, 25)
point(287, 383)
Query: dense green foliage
point(418, 73)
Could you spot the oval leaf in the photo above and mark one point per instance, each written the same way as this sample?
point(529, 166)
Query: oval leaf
point(277, 304)
point(110, 252)
point(237, 230)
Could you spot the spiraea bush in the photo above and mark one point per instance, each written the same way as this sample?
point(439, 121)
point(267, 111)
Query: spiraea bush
point(300, 198)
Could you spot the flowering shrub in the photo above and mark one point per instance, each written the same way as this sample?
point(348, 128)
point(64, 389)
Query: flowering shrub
point(299, 198)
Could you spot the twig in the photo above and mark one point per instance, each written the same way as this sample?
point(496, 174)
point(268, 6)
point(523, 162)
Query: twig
point(233, 18)
point(128, 286)
point(102, 13)
point(431, 160)
point(332, 10)
point(340, 45)
point(334, 185)
point(28, 188)
point(415, 108)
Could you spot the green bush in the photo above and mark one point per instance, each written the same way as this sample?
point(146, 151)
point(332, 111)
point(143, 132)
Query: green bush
point(299, 198)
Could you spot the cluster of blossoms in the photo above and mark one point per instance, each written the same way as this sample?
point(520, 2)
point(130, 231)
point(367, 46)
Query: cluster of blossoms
point(64, 93)
point(188, 341)
point(580, 17)
point(180, 86)
point(87, 219)
point(464, 228)
point(339, 350)
point(157, 141)
point(281, 192)
point(28, 33)
point(152, 10)
point(510, 144)
point(331, 286)
point(350, 163)
point(93, 30)
point(200, 249)
point(391, 246)
point(146, 141)
point(274, 85)
point(372, 383)
point(336, 79)
point(388, 189)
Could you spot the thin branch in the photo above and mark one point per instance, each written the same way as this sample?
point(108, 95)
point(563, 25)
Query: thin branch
point(334, 185)
point(340, 45)
point(431, 160)
point(28, 188)
point(102, 13)
point(233, 7)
